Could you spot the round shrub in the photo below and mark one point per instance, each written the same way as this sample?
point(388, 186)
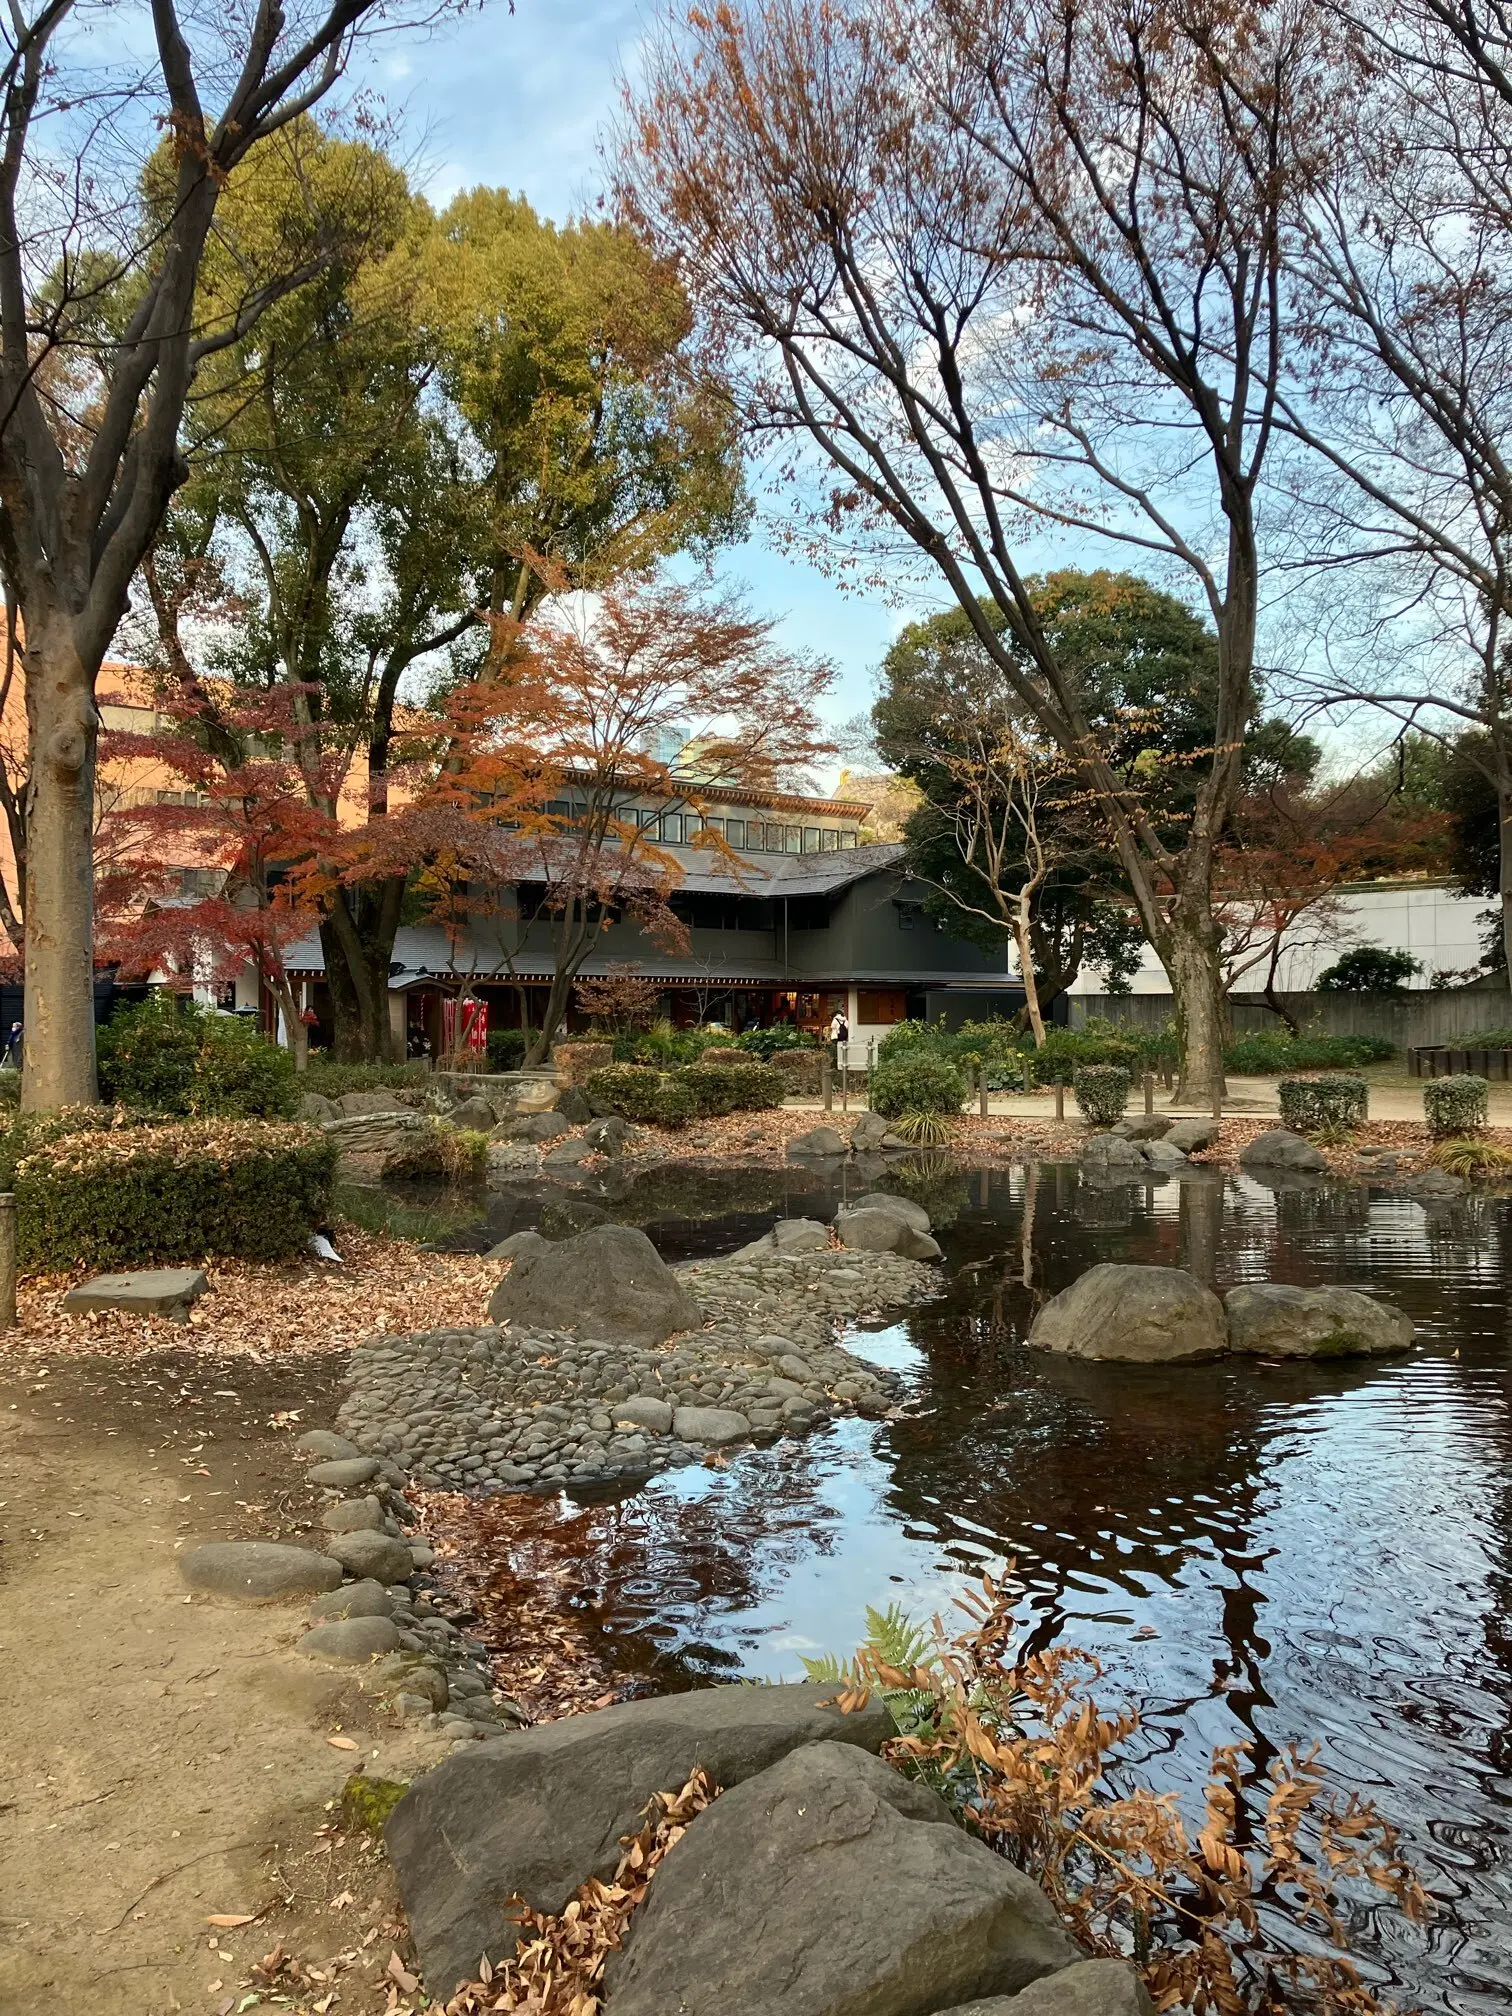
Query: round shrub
point(637, 1092)
point(916, 1081)
point(1459, 1105)
point(507, 1047)
point(174, 1057)
point(766, 1043)
point(1102, 1092)
point(743, 1086)
point(1312, 1105)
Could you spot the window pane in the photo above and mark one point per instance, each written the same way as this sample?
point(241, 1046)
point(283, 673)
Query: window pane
point(846, 837)
point(735, 832)
point(792, 839)
point(672, 828)
point(811, 839)
point(827, 840)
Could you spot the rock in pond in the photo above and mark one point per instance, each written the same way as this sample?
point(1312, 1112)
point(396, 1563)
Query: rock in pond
point(258, 1571)
point(714, 1425)
point(354, 1639)
point(561, 1217)
point(1280, 1148)
point(816, 1144)
point(831, 1885)
point(154, 1291)
point(799, 1235)
point(532, 1127)
point(1191, 1136)
point(1160, 1154)
point(869, 1133)
point(608, 1282)
point(1090, 1988)
point(871, 1230)
point(1138, 1315)
point(903, 1207)
point(1102, 1152)
point(375, 1556)
point(539, 1812)
point(1272, 1320)
point(517, 1243)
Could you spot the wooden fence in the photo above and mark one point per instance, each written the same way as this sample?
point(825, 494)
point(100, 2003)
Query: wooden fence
point(1411, 1021)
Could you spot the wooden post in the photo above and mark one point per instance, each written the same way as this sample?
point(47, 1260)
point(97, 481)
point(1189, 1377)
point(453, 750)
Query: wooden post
point(1217, 1102)
point(982, 1090)
point(7, 1260)
point(1060, 1100)
point(826, 1084)
point(844, 1082)
point(1149, 1091)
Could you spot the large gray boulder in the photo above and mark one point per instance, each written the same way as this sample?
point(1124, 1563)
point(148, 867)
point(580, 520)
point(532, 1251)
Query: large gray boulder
point(872, 1230)
point(1162, 1155)
point(1191, 1136)
point(353, 1104)
point(378, 1557)
point(539, 1812)
point(1139, 1315)
point(315, 1106)
point(831, 1885)
point(258, 1571)
point(608, 1134)
point(536, 1127)
point(1279, 1148)
point(517, 1243)
point(562, 1217)
point(608, 1282)
point(816, 1145)
point(474, 1113)
point(1143, 1127)
point(902, 1207)
point(869, 1132)
point(799, 1235)
point(1273, 1320)
point(1090, 1988)
point(1103, 1152)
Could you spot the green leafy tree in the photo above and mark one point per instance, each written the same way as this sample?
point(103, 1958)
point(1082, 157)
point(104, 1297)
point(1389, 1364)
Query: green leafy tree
point(1369, 969)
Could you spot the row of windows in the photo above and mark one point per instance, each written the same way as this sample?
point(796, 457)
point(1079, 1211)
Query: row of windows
point(750, 836)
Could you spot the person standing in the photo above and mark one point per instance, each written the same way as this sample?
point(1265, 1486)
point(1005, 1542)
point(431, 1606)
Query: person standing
point(839, 1035)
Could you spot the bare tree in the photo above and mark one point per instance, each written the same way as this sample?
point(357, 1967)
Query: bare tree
point(109, 180)
point(1010, 268)
point(1400, 257)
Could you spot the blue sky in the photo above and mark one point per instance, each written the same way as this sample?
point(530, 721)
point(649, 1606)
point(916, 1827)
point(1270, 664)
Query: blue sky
point(518, 101)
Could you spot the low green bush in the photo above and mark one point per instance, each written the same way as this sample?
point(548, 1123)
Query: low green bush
point(1273, 1052)
point(744, 1087)
point(1481, 1039)
point(140, 1194)
point(331, 1079)
point(1460, 1105)
point(459, 1154)
point(639, 1092)
point(172, 1056)
point(1314, 1105)
point(1102, 1093)
point(1066, 1051)
point(916, 1080)
point(765, 1043)
point(507, 1047)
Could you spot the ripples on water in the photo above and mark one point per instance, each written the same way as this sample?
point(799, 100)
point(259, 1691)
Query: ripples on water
point(1323, 1552)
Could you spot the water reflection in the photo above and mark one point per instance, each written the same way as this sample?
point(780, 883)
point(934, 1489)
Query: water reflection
point(1319, 1551)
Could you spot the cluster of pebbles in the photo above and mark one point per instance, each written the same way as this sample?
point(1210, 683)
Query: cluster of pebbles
point(508, 1408)
point(429, 1669)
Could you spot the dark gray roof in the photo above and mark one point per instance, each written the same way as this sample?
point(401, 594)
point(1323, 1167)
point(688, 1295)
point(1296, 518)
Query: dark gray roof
point(784, 874)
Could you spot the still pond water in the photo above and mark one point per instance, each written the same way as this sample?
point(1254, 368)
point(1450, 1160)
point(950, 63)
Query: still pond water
point(1321, 1553)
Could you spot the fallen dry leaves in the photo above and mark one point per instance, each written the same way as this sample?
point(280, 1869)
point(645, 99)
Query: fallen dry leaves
point(273, 1309)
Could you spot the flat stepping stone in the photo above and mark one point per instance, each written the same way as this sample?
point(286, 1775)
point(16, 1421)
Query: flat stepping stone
point(259, 1571)
point(345, 1473)
point(372, 1555)
point(156, 1291)
point(329, 1447)
point(355, 1638)
point(354, 1599)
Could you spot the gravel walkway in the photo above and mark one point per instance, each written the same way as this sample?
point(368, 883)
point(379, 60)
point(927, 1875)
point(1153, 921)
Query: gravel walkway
point(494, 1409)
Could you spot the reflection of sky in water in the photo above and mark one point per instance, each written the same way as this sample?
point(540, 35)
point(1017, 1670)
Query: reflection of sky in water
point(1278, 1554)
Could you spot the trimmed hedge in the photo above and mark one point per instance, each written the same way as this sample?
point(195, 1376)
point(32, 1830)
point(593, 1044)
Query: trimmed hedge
point(140, 1195)
point(916, 1080)
point(1460, 1105)
point(744, 1087)
point(764, 1043)
point(331, 1079)
point(667, 1098)
point(1102, 1093)
point(172, 1056)
point(1271, 1051)
point(1309, 1105)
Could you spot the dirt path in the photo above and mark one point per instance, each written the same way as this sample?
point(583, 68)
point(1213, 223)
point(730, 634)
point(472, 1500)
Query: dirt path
point(163, 1760)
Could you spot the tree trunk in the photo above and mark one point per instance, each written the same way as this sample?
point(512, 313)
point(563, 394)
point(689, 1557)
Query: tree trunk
point(299, 1035)
point(58, 1043)
point(1504, 838)
point(357, 937)
point(1026, 966)
point(556, 1009)
point(1191, 958)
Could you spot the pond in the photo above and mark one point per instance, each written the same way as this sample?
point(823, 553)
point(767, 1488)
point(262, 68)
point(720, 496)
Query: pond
point(1255, 1553)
